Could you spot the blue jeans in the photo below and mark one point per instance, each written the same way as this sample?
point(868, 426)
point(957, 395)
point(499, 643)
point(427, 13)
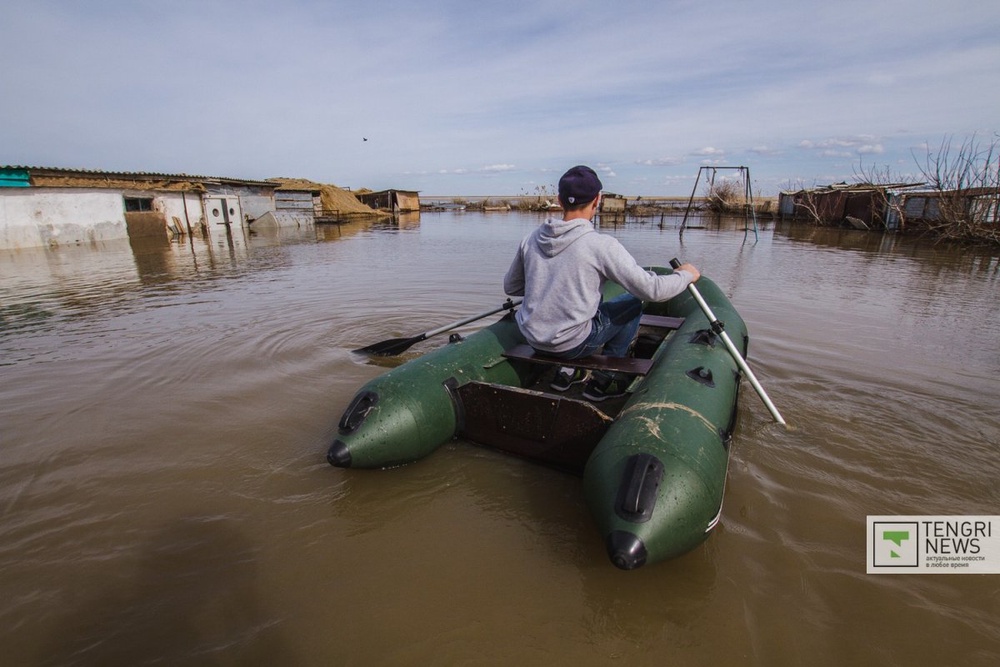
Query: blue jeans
point(614, 328)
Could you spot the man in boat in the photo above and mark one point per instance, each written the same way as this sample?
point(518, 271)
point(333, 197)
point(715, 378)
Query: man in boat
point(560, 270)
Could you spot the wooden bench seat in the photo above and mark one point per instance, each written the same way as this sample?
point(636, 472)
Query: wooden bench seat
point(595, 362)
point(598, 362)
point(661, 321)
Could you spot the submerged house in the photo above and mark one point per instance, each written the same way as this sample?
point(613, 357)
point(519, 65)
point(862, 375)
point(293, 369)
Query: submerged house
point(979, 206)
point(42, 206)
point(397, 201)
point(893, 206)
point(613, 204)
point(860, 205)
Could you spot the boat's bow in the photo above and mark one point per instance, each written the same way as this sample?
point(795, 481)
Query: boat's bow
point(655, 482)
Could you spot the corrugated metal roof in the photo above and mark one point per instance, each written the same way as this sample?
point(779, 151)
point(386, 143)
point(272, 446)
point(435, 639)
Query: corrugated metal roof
point(853, 187)
point(13, 177)
point(134, 175)
point(385, 192)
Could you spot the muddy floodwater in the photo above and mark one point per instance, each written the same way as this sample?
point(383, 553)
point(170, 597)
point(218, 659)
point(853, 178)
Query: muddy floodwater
point(165, 411)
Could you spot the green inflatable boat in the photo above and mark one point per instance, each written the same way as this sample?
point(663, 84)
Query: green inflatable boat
point(654, 462)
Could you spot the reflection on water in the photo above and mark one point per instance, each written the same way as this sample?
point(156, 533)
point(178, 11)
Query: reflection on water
point(165, 408)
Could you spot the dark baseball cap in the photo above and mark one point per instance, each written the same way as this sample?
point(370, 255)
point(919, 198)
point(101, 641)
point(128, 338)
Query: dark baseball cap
point(579, 185)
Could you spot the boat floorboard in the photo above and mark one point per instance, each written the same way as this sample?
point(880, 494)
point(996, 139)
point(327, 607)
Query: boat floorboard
point(555, 428)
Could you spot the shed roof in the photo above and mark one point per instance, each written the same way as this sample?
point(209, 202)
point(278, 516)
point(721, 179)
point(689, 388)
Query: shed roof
point(370, 193)
point(853, 187)
point(58, 177)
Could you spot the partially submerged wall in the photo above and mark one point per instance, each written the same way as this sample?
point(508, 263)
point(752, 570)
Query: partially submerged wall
point(33, 217)
point(39, 217)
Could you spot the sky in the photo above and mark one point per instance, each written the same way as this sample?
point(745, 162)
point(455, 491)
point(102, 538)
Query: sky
point(498, 97)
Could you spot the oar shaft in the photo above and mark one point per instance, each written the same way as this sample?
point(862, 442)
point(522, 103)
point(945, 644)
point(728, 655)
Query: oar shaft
point(393, 346)
point(753, 379)
point(454, 325)
point(733, 351)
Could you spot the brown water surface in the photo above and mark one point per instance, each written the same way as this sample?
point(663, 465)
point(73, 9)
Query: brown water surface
point(165, 411)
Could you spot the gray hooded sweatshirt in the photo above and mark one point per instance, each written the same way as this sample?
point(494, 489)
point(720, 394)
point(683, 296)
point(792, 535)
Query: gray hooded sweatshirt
point(560, 270)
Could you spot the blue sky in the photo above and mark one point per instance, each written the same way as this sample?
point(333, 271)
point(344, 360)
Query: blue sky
point(497, 97)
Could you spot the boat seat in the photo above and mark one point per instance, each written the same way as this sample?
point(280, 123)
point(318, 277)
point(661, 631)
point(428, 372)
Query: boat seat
point(595, 362)
point(661, 321)
point(598, 362)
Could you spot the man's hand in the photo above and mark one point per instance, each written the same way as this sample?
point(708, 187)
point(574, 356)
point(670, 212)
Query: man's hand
point(690, 269)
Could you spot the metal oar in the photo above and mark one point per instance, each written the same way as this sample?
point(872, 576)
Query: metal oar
point(393, 346)
point(717, 327)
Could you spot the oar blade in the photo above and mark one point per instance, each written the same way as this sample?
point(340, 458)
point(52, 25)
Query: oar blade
point(391, 347)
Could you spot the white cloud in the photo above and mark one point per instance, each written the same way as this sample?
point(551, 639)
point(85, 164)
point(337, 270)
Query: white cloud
point(844, 147)
point(660, 162)
point(496, 168)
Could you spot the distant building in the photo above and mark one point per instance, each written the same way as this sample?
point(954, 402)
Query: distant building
point(861, 205)
point(892, 206)
point(977, 205)
point(397, 201)
point(613, 204)
point(43, 206)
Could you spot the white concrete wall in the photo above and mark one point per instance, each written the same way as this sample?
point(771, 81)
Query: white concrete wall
point(33, 217)
point(173, 204)
point(38, 217)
